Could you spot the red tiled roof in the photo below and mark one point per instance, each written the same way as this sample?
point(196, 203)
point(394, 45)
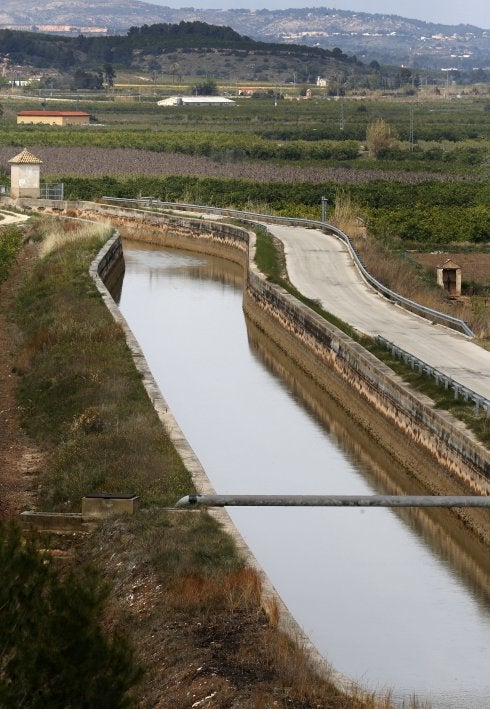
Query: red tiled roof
point(52, 113)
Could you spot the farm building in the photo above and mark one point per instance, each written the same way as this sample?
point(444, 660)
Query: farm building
point(196, 101)
point(54, 118)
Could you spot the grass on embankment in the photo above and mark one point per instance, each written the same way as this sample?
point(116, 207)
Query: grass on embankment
point(270, 260)
point(186, 599)
point(79, 391)
point(442, 398)
point(10, 241)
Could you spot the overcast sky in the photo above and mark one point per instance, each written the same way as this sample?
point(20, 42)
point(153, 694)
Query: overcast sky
point(451, 12)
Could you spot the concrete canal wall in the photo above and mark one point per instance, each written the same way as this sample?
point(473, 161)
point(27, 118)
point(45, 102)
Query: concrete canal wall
point(409, 420)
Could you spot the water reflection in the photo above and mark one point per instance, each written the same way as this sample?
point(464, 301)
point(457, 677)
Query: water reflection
point(388, 597)
point(437, 528)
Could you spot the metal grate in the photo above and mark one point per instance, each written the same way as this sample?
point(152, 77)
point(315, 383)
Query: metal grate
point(52, 191)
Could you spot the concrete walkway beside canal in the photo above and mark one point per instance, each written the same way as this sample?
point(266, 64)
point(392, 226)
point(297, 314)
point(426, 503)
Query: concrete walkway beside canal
point(321, 268)
point(11, 218)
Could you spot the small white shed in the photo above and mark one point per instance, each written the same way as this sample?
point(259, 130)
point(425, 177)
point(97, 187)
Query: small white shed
point(449, 278)
point(196, 101)
point(25, 175)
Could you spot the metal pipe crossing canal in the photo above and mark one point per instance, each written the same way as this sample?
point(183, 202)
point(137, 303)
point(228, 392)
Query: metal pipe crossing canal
point(192, 501)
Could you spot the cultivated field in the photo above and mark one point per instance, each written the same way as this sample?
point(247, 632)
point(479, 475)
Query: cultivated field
point(414, 171)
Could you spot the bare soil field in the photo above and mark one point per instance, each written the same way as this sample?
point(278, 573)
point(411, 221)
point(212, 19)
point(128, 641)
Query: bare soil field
point(94, 161)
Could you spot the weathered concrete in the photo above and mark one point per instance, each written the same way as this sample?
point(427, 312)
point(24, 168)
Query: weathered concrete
point(57, 522)
point(25, 175)
point(102, 505)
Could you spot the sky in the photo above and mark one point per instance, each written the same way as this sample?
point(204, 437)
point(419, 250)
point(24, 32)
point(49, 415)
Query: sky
point(450, 12)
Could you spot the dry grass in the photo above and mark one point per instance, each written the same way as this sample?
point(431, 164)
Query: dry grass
point(79, 393)
point(240, 589)
point(404, 277)
point(346, 216)
point(200, 626)
point(56, 234)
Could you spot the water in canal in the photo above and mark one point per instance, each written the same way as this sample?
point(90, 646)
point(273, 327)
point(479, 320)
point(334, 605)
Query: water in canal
point(386, 597)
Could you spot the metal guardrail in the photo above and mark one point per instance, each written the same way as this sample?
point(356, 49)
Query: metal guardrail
point(193, 501)
point(480, 402)
point(293, 221)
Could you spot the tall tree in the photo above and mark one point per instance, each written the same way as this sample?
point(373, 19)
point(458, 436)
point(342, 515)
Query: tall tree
point(109, 74)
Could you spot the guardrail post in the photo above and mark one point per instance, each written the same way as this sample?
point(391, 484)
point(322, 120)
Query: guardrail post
point(324, 209)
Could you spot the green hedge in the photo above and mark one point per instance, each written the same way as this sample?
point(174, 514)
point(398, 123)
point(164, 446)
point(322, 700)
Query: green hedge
point(431, 211)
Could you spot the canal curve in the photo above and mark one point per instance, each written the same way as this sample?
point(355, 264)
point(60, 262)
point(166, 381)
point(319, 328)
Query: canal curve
point(386, 597)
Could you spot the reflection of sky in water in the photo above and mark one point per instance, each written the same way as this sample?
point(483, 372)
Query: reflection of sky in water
point(374, 598)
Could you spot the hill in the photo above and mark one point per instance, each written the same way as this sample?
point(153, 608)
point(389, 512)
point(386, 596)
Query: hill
point(388, 39)
point(184, 49)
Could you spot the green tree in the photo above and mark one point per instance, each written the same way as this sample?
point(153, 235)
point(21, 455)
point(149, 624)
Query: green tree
point(208, 87)
point(405, 75)
point(53, 652)
point(87, 79)
point(109, 74)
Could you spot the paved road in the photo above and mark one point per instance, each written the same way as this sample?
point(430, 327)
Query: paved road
point(320, 267)
point(11, 217)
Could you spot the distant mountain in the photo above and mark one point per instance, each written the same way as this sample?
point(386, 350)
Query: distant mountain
point(388, 39)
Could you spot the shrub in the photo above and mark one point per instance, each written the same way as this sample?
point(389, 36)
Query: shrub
point(379, 136)
point(10, 241)
point(53, 651)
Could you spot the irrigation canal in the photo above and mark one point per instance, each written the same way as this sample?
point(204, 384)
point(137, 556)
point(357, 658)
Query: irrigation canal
point(388, 597)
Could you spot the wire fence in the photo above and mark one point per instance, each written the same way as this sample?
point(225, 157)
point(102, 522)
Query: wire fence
point(52, 190)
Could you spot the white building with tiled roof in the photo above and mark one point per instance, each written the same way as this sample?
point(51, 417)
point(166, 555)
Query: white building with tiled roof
point(25, 175)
